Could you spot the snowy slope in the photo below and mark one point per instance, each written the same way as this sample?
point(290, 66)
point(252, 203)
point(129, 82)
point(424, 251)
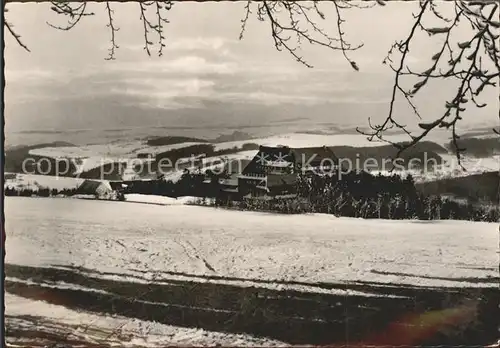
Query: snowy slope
point(244, 244)
point(151, 244)
point(34, 181)
point(163, 148)
point(127, 151)
point(87, 157)
point(303, 140)
point(451, 168)
point(112, 149)
point(298, 139)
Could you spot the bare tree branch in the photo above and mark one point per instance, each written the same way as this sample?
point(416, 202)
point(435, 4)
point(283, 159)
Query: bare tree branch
point(75, 14)
point(245, 20)
point(17, 37)
point(292, 23)
point(341, 33)
point(467, 53)
point(300, 23)
point(390, 122)
point(113, 30)
point(157, 27)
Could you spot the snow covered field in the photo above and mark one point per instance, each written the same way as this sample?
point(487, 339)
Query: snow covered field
point(166, 256)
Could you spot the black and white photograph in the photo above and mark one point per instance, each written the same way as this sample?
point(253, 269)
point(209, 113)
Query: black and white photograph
point(251, 173)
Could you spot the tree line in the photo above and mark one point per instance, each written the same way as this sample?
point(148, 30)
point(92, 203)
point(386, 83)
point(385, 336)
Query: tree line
point(39, 192)
point(354, 194)
point(362, 195)
point(47, 192)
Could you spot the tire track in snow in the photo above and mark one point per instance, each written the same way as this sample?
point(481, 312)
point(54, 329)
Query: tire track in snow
point(195, 255)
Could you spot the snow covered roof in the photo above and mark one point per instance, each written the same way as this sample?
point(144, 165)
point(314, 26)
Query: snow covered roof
point(283, 157)
point(91, 186)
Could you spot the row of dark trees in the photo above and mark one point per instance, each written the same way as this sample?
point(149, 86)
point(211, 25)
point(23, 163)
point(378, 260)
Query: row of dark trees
point(46, 192)
point(190, 184)
point(41, 192)
point(355, 194)
point(360, 194)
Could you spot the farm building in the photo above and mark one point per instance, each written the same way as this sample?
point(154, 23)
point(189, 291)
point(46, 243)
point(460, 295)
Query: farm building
point(99, 189)
point(228, 184)
point(286, 160)
point(273, 171)
point(272, 185)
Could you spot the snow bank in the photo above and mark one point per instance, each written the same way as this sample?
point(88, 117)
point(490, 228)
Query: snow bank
point(159, 200)
point(119, 331)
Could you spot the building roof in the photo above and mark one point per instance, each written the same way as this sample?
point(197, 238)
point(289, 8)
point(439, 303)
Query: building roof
point(91, 186)
point(283, 156)
point(269, 156)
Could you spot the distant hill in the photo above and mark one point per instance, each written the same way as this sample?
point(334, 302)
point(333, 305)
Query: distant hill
point(235, 136)
point(108, 171)
point(478, 147)
point(207, 149)
point(16, 155)
point(171, 140)
point(39, 146)
point(478, 187)
point(421, 152)
point(481, 131)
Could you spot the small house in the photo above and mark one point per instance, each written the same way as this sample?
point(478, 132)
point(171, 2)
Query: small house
point(98, 189)
point(228, 181)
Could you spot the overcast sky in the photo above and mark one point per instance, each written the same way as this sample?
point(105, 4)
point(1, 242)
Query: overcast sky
point(206, 76)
